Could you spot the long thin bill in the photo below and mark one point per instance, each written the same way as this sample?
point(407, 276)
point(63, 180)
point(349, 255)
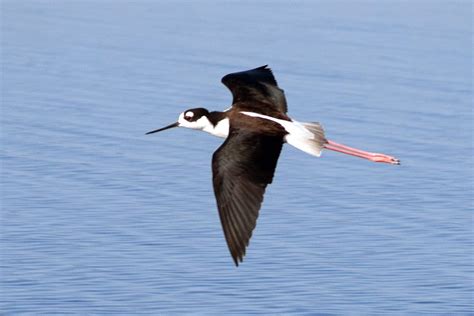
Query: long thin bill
point(375, 157)
point(176, 124)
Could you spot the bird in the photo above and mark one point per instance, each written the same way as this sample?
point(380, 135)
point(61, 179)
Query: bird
point(255, 128)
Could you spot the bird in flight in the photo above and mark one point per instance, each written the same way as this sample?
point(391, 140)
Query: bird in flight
point(255, 128)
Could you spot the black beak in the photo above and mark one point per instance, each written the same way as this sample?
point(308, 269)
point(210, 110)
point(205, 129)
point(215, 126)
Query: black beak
point(162, 129)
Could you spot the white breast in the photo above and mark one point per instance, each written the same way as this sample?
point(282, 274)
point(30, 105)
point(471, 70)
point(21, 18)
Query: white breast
point(220, 130)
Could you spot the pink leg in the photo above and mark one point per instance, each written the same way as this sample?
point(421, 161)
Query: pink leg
point(375, 157)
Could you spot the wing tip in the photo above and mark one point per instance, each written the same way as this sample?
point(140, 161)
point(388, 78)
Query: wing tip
point(236, 261)
point(264, 68)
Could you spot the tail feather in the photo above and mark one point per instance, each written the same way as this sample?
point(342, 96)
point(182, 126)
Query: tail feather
point(318, 132)
point(312, 141)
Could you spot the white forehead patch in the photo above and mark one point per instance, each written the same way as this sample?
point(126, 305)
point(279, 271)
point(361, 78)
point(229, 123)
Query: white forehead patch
point(189, 114)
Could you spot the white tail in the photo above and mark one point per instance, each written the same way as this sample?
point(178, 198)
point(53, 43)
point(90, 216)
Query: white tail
point(308, 137)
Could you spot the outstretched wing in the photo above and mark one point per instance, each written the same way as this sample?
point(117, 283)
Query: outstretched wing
point(242, 168)
point(258, 85)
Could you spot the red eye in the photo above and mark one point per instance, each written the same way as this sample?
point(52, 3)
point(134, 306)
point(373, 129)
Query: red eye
point(188, 118)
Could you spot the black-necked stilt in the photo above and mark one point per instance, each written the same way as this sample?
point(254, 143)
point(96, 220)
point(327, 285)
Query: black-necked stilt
point(255, 128)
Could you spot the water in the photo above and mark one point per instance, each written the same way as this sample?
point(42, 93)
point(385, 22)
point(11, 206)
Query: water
point(98, 218)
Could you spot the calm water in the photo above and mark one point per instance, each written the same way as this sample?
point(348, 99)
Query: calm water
point(98, 218)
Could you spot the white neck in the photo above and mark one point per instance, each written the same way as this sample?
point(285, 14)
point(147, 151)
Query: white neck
point(220, 130)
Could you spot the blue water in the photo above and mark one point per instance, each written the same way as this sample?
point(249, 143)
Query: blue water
point(98, 218)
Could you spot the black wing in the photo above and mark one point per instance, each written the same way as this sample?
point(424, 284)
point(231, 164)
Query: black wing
point(256, 85)
point(242, 168)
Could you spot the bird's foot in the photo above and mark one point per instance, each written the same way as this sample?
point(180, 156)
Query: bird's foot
point(376, 157)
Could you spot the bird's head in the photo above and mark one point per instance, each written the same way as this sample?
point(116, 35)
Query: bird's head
point(192, 118)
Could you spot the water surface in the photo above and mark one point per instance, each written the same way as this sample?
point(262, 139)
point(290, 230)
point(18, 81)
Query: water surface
point(98, 218)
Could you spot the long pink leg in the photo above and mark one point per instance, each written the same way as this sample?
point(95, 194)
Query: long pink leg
point(375, 157)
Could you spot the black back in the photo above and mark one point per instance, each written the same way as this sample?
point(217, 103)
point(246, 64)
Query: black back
point(257, 86)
